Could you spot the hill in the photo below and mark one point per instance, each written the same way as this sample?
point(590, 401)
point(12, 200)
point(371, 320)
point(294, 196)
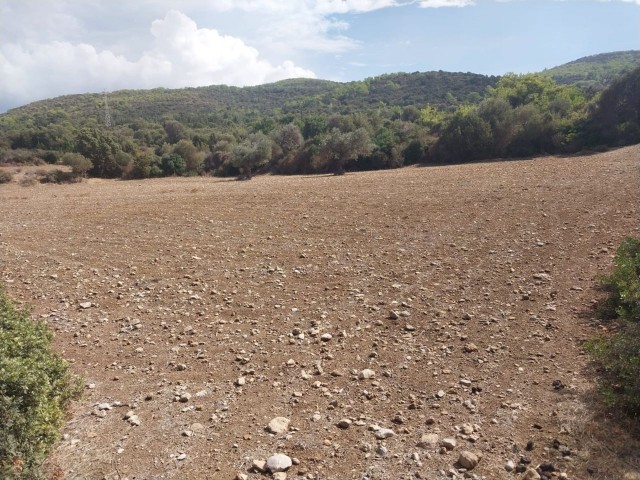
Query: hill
point(595, 72)
point(220, 104)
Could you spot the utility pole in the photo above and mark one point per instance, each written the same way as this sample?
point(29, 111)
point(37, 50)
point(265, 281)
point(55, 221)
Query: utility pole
point(107, 113)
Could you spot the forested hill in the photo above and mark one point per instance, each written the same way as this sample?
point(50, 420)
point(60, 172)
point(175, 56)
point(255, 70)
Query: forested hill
point(596, 71)
point(288, 98)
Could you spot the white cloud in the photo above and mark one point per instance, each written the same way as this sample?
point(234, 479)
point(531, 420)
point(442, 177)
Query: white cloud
point(446, 3)
point(182, 55)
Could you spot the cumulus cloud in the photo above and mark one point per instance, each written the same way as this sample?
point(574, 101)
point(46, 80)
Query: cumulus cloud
point(182, 55)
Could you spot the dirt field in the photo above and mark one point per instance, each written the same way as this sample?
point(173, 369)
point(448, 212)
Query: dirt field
point(201, 307)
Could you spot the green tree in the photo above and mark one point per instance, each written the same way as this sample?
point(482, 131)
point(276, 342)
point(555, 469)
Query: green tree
point(173, 164)
point(339, 148)
point(79, 164)
point(101, 149)
point(253, 152)
point(288, 138)
point(465, 137)
point(175, 131)
point(193, 158)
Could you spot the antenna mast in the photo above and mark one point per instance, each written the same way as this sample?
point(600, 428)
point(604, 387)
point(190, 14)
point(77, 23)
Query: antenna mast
point(107, 113)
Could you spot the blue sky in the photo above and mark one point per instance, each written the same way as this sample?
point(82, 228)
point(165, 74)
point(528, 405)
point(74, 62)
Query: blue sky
point(78, 46)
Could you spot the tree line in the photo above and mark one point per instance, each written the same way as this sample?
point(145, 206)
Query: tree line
point(517, 116)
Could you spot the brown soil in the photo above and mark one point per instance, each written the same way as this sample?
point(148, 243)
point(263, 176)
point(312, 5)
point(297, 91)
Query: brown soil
point(197, 282)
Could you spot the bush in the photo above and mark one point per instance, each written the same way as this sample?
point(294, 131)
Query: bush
point(5, 176)
point(619, 353)
point(58, 176)
point(35, 387)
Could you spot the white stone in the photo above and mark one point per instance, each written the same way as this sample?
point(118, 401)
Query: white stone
point(278, 463)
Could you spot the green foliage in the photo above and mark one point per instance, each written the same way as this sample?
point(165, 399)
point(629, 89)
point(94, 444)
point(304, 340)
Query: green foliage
point(595, 72)
point(251, 153)
point(193, 159)
point(619, 353)
point(465, 137)
point(173, 164)
point(616, 116)
point(339, 148)
point(101, 149)
point(79, 164)
point(35, 387)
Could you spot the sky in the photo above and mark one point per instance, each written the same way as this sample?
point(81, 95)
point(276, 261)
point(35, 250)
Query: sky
point(58, 47)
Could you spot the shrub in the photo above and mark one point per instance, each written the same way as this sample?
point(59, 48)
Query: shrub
point(58, 176)
point(5, 176)
point(35, 387)
point(619, 353)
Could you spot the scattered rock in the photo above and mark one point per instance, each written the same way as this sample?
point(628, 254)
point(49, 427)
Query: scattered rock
point(429, 440)
point(468, 460)
point(278, 425)
point(344, 423)
point(366, 374)
point(531, 474)
point(383, 433)
point(278, 463)
point(448, 443)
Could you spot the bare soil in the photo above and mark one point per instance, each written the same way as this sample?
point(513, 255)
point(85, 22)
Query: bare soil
point(223, 290)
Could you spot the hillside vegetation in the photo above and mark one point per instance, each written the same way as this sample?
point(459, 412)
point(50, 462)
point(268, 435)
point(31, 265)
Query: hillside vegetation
point(313, 126)
point(595, 71)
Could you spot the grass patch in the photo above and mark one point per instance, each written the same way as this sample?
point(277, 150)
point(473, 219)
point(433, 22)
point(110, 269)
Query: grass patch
point(618, 354)
point(35, 387)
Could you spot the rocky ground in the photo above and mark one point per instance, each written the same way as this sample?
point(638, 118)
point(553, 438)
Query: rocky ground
point(423, 323)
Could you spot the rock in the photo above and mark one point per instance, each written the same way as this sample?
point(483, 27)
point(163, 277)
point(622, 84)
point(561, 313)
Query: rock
point(242, 476)
point(344, 423)
point(279, 476)
point(259, 465)
point(409, 328)
point(448, 443)
point(429, 440)
point(383, 433)
point(185, 397)
point(466, 428)
point(366, 374)
point(278, 463)
point(509, 466)
point(530, 474)
point(326, 337)
point(85, 305)
point(104, 406)
point(278, 425)
point(470, 347)
point(468, 460)
point(241, 381)
point(182, 456)
point(393, 315)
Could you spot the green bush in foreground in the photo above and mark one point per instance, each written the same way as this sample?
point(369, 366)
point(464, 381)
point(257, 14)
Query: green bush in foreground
point(35, 386)
point(619, 353)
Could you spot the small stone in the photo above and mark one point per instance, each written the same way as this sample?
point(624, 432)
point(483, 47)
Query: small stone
point(259, 465)
point(241, 381)
point(510, 466)
point(409, 328)
point(470, 347)
point(180, 367)
point(104, 406)
point(530, 474)
point(393, 315)
point(279, 476)
point(185, 397)
point(278, 463)
point(366, 374)
point(383, 433)
point(468, 460)
point(344, 423)
point(85, 305)
point(242, 476)
point(448, 443)
point(326, 337)
point(429, 440)
point(182, 456)
point(278, 425)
